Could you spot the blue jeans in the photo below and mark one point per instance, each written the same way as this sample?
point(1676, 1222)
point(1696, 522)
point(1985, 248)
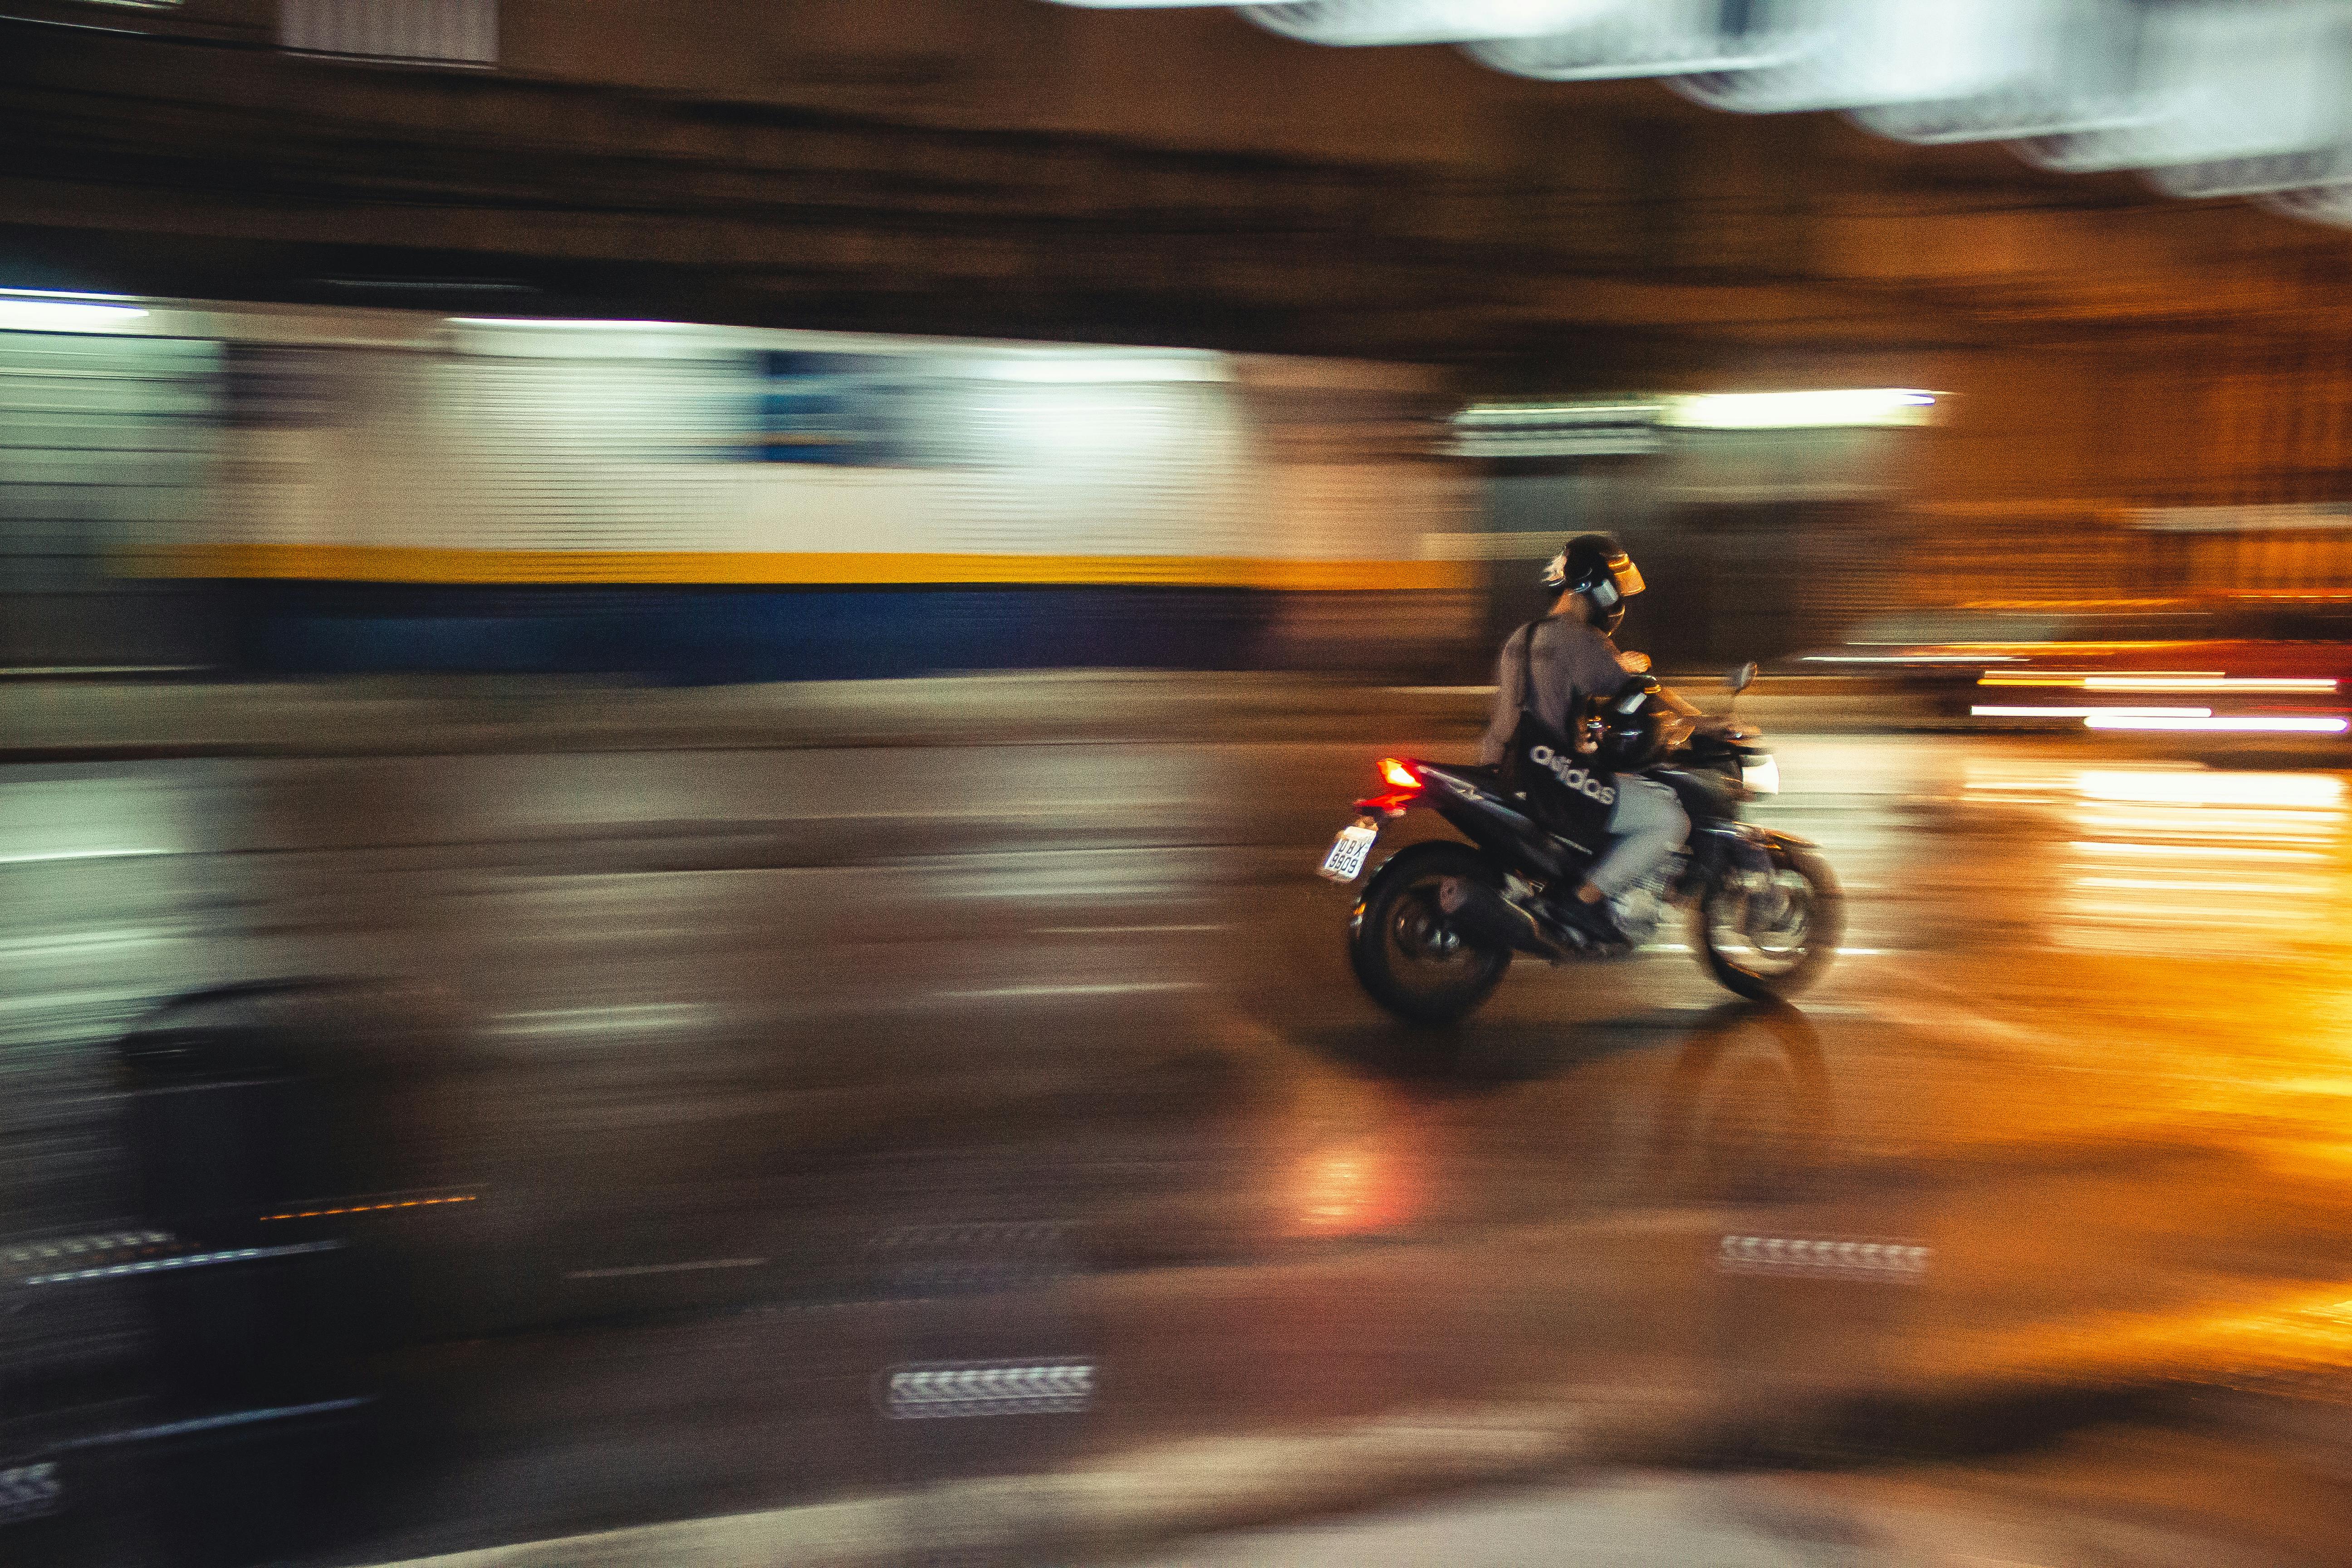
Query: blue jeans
point(1647, 825)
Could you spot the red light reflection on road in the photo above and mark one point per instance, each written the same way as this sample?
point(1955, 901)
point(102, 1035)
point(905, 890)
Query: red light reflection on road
point(1359, 1188)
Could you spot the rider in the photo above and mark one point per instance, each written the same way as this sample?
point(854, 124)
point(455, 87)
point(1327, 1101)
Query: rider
point(1572, 662)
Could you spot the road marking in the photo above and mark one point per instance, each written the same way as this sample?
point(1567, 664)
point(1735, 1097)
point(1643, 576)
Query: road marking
point(698, 1263)
point(76, 1246)
point(1166, 1489)
point(940, 1390)
point(373, 1208)
point(1122, 988)
point(214, 1423)
point(36, 671)
point(80, 942)
point(1841, 1256)
point(574, 1020)
point(975, 814)
point(53, 855)
point(186, 1260)
point(67, 1001)
point(1109, 930)
point(29, 1491)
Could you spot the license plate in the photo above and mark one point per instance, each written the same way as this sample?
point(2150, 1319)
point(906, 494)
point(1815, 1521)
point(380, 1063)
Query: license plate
point(1345, 863)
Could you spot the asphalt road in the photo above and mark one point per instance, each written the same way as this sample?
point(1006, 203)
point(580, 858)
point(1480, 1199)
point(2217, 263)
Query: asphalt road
point(739, 1082)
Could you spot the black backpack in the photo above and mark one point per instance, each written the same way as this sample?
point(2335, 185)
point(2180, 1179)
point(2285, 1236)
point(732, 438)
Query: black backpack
point(1572, 792)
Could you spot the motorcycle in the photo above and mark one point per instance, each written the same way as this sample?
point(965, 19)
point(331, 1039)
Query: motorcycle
point(1439, 921)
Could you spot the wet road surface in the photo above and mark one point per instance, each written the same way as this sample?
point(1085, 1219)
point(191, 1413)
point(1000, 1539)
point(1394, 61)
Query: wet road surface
point(754, 1079)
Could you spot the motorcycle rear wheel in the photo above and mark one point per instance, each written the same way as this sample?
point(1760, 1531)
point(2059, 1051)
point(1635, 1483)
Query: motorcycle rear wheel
point(1405, 955)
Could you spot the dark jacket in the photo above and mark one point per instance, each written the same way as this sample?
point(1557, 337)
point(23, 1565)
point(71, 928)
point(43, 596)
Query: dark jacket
point(1572, 663)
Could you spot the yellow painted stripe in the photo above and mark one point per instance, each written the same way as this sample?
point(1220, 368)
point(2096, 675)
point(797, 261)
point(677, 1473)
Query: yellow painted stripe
point(393, 563)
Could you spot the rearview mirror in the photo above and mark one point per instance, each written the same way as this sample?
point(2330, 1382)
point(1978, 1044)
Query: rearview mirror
point(1743, 677)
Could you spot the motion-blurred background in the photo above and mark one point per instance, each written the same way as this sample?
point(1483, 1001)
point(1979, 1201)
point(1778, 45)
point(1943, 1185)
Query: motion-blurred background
point(670, 676)
point(408, 450)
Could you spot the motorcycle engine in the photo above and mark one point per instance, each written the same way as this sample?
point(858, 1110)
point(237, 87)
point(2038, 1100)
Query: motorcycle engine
point(1642, 907)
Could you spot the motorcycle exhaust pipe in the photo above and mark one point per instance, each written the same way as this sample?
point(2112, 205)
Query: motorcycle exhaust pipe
point(1484, 916)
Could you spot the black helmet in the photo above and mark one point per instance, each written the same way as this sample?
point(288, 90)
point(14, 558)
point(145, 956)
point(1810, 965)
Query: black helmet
point(1595, 565)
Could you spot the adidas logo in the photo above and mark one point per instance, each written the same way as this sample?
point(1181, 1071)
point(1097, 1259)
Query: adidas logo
point(1573, 776)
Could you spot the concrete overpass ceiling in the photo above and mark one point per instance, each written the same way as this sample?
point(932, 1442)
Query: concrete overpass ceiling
point(1170, 174)
point(2207, 97)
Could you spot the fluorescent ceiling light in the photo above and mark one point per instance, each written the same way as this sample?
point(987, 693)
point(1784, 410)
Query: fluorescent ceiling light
point(430, 285)
point(65, 294)
point(2196, 679)
point(1350, 22)
point(1089, 368)
point(2201, 683)
point(559, 322)
point(1997, 710)
point(1930, 658)
point(1569, 415)
point(2281, 725)
point(2210, 98)
point(1799, 410)
point(31, 312)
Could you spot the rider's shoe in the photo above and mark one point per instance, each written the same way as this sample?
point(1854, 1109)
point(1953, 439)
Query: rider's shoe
point(1591, 921)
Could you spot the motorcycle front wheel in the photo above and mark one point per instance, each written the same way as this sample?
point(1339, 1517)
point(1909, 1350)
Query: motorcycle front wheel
point(1767, 936)
point(1406, 955)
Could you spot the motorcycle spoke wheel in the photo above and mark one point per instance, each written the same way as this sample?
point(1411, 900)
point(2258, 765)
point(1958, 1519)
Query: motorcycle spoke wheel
point(1772, 940)
point(1769, 925)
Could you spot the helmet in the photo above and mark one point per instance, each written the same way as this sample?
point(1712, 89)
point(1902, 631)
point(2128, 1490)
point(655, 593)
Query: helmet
point(1595, 565)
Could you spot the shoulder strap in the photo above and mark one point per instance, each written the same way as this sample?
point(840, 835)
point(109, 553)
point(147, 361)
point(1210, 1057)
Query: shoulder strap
point(1528, 668)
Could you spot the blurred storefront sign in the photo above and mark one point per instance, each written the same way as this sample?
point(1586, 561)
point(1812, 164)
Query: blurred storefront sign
point(2208, 97)
point(1630, 426)
point(1557, 429)
point(1767, 511)
point(414, 32)
point(110, 439)
point(329, 488)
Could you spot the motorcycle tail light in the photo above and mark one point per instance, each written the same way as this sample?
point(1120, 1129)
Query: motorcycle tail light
point(1396, 774)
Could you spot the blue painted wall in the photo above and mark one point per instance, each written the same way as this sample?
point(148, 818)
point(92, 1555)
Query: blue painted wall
point(714, 634)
